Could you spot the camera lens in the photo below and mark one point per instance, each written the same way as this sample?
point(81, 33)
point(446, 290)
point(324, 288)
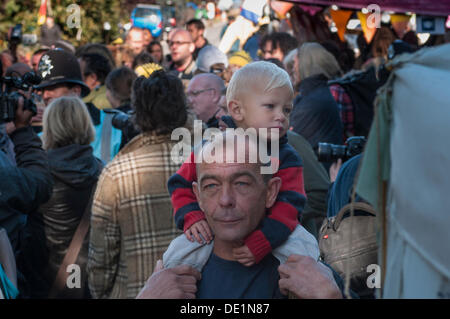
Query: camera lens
point(120, 120)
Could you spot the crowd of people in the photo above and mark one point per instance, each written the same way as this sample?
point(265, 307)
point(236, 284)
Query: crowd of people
point(89, 179)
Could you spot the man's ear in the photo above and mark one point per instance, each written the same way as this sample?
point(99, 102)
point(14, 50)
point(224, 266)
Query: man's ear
point(196, 191)
point(273, 187)
point(236, 110)
point(192, 47)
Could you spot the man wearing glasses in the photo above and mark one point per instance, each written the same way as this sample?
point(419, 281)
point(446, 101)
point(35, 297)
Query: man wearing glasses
point(182, 48)
point(203, 94)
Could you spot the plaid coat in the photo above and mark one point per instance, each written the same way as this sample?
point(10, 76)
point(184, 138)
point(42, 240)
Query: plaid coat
point(132, 223)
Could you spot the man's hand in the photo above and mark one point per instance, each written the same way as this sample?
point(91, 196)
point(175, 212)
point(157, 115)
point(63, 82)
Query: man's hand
point(307, 279)
point(22, 117)
point(175, 283)
point(244, 256)
point(200, 227)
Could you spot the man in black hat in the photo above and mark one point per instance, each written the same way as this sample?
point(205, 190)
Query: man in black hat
point(61, 76)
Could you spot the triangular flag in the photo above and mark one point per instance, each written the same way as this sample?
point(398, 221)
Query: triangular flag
point(340, 18)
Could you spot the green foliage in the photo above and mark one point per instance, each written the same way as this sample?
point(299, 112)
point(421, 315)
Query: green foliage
point(93, 14)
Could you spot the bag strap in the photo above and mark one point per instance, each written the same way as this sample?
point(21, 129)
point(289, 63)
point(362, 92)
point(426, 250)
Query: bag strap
point(356, 206)
point(74, 248)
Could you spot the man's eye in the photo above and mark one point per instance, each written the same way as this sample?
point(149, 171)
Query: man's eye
point(209, 186)
point(242, 184)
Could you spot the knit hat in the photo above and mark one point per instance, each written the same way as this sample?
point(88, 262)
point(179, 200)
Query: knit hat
point(240, 58)
point(209, 56)
point(58, 67)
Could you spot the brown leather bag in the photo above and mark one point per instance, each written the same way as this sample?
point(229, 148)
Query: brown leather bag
point(337, 250)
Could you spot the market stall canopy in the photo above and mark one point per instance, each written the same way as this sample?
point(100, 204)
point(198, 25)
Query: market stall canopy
point(425, 7)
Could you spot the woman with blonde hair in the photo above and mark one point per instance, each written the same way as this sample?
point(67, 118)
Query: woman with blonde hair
point(67, 134)
point(316, 115)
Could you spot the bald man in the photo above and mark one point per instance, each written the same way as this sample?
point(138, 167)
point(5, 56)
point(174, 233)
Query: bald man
point(182, 49)
point(203, 94)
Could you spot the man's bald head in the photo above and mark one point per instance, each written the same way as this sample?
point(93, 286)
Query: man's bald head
point(181, 46)
point(211, 79)
point(203, 94)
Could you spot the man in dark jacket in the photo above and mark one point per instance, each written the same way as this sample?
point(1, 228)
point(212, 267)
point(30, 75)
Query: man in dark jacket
point(25, 187)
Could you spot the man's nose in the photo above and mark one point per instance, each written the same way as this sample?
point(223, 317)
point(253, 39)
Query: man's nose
point(46, 94)
point(226, 198)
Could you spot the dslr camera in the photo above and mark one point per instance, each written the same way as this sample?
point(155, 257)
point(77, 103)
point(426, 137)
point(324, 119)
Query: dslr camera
point(329, 153)
point(9, 95)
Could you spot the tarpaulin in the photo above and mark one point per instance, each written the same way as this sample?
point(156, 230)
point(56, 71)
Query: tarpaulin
point(426, 7)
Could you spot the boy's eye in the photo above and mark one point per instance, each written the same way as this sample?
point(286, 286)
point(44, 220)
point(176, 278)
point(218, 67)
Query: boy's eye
point(269, 106)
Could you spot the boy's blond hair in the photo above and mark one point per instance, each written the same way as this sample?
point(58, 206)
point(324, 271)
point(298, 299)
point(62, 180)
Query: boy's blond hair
point(266, 75)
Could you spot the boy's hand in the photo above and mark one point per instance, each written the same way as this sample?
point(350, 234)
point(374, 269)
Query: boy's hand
point(200, 227)
point(244, 256)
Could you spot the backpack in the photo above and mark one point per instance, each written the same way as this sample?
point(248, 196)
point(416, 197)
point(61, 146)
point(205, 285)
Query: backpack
point(362, 88)
point(334, 245)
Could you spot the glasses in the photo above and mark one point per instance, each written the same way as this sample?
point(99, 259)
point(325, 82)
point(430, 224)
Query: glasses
point(172, 43)
point(197, 93)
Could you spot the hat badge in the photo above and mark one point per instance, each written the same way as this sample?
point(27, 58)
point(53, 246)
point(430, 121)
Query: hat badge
point(45, 66)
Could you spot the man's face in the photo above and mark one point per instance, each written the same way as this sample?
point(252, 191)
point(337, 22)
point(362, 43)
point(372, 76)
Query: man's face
point(35, 61)
point(181, 47)
point(195, 33)
point(53, 92)
point(136, 41)
point(202, 98)
point(269, 52)
point(234, 198)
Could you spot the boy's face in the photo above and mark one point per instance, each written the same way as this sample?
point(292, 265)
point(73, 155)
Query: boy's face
point(269, 109)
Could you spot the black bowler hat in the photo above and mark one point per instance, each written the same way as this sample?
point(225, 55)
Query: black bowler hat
point(57, 67)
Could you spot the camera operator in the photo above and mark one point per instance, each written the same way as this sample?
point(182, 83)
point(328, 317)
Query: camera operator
point(29, 184)
point(118, 92)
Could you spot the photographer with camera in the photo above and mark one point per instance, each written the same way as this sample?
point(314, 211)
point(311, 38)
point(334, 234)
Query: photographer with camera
point(26, 186)
point(118, 92)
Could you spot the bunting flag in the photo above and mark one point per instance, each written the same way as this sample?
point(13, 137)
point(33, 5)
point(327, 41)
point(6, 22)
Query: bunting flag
point(281, 7)
point(42, 12)
point(368, 32)
point(340, 18)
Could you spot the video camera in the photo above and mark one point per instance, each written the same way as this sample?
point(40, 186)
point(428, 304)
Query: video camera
point(329, 153)
point(9, 98)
